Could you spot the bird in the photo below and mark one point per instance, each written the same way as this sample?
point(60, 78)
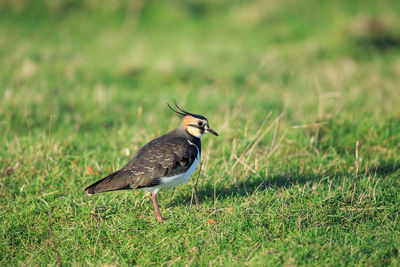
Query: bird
point(164, 162)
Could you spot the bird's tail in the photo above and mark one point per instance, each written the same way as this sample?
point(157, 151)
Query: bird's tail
point(108, 183)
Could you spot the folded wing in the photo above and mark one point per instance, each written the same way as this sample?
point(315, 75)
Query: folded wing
point(162, 157)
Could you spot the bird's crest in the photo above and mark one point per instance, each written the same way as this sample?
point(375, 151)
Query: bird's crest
point(178, 110)
point(181, 112)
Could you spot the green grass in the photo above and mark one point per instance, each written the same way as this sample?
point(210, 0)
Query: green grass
point(305, 171)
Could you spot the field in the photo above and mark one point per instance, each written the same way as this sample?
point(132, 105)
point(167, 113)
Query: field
point(304, 94)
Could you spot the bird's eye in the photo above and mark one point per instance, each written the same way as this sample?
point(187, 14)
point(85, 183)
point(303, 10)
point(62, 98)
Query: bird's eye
point(200, 123)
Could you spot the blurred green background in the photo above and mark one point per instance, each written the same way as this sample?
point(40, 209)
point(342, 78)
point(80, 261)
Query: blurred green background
point(115, 52)
point(305, 96)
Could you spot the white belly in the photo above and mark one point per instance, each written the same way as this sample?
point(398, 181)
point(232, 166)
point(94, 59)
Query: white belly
point(172, 181)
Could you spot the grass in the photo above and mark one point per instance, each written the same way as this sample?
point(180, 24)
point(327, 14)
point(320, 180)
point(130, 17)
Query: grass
point(305, 171)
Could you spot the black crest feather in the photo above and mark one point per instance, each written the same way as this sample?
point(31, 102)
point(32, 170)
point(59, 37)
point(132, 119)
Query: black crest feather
point(178, 110)
point(181, 112)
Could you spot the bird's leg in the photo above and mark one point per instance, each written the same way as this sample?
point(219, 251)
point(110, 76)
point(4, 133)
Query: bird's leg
point(154, 198)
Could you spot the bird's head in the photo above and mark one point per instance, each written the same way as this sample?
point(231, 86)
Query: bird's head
point(194, 124)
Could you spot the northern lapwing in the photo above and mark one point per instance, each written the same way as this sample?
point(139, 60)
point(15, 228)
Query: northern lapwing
point(164, 162)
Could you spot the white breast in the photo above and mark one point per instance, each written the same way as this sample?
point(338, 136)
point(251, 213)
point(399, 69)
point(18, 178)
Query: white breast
point(172, 181)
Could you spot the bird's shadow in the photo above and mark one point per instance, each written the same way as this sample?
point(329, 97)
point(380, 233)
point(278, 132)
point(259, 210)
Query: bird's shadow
point(209, 192)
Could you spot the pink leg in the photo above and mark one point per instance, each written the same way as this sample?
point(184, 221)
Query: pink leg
point(154, 198)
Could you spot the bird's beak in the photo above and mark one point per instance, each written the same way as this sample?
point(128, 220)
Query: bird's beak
point(211, 131)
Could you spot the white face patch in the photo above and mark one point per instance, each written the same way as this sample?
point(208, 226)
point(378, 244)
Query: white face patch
point(195, 131)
